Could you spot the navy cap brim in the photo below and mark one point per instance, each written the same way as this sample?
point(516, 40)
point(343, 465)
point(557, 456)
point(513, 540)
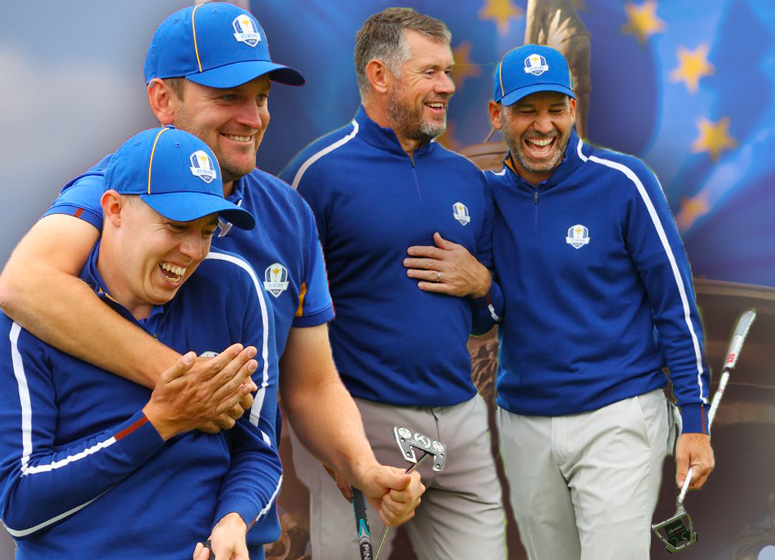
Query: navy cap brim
point(514, 96)
point(190, 206)
point(233, 75)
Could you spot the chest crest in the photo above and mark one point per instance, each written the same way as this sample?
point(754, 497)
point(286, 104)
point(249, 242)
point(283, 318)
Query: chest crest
point(577, 236)
point(276, 279)
point(460, 213)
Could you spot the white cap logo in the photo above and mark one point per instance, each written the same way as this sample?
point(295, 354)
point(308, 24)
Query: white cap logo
point(246, 31)
point(202, 166)
point(536, 64)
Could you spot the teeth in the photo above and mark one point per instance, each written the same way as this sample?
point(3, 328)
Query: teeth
point(436, 105)
point(540, 142)
point(239, 138)
point(177, 270)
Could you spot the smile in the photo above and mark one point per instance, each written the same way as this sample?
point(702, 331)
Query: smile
point(243, 139)
point(173, 273)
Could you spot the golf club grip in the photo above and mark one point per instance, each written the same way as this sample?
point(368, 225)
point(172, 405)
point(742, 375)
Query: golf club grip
point(362, 524)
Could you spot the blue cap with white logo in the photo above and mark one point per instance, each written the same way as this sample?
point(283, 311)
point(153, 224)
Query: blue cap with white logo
point(176, 174)
point(215, 44)
point(530, 69)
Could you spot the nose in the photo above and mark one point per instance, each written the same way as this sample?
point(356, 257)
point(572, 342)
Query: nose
point(445, 85)
point(194, 246)
point(253, 115)
point(543, 123)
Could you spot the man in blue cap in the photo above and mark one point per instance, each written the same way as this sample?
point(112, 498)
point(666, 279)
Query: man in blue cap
point(96, 464)
point(598, 300)
point(208, 71)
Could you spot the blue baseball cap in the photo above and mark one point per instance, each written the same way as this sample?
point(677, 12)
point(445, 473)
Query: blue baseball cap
point(530, 69)
point(176, 174)
point(214, 44)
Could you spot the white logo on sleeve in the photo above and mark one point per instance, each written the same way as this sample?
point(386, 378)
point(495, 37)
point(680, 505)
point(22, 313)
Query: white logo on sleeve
point(536, 64)
point(276, 279)
point(245, 31)
point(202, 166)
point(460, 213)
point(578, 236)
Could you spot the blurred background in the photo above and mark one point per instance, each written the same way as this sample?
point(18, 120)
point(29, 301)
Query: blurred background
point(685, 85)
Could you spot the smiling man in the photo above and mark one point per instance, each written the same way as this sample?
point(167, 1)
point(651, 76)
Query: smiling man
point(379, 186)
point(96, 464)
point(208, 71)
point(598, 300)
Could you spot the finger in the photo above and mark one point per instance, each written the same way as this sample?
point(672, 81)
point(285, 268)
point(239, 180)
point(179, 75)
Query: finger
point(231, 401)
point(443, 243)
point(216, 365)
point(246, 403)
point(435, 287)
point(209, 428)
point(421, 263)
point(435, 276)
point(424, 251)
point(180, 367)
point(227, 384)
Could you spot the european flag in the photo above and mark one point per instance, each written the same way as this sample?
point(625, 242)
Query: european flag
point(685, 85)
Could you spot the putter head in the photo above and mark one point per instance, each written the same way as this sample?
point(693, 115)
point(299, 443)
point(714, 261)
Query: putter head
point(677, 532)
point(409, 440)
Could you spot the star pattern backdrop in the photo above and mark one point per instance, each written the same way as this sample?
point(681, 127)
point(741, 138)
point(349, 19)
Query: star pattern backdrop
point(687, 86)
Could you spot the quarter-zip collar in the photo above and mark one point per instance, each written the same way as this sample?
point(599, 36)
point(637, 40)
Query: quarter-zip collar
point(385, 138)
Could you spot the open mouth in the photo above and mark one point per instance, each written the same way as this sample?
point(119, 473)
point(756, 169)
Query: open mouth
point(436, 106)
point(539, 147)
point(172, 272)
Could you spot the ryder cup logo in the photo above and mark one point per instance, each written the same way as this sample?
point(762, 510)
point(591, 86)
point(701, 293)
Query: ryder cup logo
point(536, 64)
point(245, 31)
point(202, 166)
point(460, 213)
point(276, 279)
point(578, 236)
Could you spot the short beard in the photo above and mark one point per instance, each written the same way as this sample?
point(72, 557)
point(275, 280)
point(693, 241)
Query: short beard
point(518, 153)
point(409, 124)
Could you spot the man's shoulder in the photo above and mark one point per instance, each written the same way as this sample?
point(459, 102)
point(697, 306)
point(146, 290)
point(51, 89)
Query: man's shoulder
point(324, 151)
point(628, 164)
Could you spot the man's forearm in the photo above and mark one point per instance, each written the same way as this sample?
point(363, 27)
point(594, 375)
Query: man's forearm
point(329, 425)
point(73, 319)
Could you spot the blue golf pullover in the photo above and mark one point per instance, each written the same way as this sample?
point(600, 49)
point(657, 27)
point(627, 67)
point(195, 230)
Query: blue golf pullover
point(598, 290)
point(392, 342)
point(83, 472)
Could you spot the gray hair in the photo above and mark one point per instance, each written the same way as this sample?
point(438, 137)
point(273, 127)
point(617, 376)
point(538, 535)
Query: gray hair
point(382, 37)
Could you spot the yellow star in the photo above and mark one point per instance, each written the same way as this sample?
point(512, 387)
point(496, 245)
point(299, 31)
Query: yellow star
point(714, 137)
point(447, 139)
point(500, 11)
point(464, 67)
point(692, 67)
point(691, 210)
point(642, 21)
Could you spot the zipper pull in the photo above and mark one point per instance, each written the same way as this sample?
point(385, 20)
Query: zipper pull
point(535, 198)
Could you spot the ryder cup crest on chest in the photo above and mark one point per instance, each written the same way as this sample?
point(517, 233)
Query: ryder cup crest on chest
point(276, 279)
point(577, 236)
point(460, 213)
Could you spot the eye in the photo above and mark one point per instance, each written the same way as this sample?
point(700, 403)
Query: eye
point(262, 98)
point(229, 97)
point(176, 228)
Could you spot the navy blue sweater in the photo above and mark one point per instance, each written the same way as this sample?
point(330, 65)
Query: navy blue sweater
point(597, 287)
point(392, 342)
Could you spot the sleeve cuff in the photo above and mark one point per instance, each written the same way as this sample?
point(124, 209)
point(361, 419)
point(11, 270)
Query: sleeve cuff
point(695, 418)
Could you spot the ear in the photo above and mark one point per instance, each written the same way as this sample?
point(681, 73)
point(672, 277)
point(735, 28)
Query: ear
point(163, 101)
point(112, 204)
point(496, 115)
point(572, 109)
point(378, 75)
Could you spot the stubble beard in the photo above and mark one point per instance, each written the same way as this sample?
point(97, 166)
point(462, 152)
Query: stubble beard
point(409, 121)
